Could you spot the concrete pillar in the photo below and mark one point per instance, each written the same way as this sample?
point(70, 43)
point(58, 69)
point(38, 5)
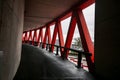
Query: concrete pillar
point(11, 28)
point(107, 39)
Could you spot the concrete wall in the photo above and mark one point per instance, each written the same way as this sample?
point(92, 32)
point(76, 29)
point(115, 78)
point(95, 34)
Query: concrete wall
point(11, 28)
point(107, 39)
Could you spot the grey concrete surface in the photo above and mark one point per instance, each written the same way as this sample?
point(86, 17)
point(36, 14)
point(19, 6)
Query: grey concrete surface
point(11, 28)
point(38, 64)
point(107, 39)
point(40, 12)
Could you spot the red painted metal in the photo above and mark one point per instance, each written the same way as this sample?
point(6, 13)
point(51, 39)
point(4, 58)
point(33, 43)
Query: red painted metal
point(85, 39)
point(45, 37)
point(77, 17)
point(70, 34)
point(39, 35)
point(57, 30)
point(47, 34)
point(30, 36)
point(86, 4)
point(25, 36)
point(34, 37)
point(54, 37)
point(60, 35)
point(85, 36)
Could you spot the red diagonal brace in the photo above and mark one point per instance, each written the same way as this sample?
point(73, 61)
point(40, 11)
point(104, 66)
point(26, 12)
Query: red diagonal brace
point(54, 37)
point(85, 36)
point(85, 39)
point(70, 35)
point(30, 36)
point(34, 37)
point(39, 35)
point(60, 36)
point(25, 37)
point(47, 34)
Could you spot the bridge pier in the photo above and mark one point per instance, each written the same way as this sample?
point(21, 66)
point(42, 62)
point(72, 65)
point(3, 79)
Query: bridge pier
point(11, 28)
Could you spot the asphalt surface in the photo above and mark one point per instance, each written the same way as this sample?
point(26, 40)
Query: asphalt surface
point(38, 64)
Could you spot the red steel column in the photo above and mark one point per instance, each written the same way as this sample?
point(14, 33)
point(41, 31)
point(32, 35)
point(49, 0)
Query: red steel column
point(70, 35)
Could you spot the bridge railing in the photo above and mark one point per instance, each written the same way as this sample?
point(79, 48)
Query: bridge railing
point(80, 53)
point(63, 53)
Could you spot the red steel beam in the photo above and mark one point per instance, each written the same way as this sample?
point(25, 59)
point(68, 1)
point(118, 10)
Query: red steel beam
point(34, 37)
point(54, 36)
point(60, 35)
point(39, 35)
point(47, 34)
point(25, 37)
point(45, 37)
point(30, 36)
point(85, 39)
point(86, 4)
point(70, 34)
point(85, 36)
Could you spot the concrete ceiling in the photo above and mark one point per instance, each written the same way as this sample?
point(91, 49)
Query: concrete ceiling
point(40, 12)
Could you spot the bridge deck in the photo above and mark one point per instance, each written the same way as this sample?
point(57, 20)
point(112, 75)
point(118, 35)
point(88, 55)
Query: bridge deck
point(38, 64)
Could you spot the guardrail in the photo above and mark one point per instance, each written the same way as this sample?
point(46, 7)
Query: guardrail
point(80, 53)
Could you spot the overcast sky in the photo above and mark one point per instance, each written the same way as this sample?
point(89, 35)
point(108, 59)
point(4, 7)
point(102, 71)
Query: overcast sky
point(89, 14)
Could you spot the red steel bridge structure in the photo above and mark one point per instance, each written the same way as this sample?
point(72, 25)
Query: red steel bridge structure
point(37, 38)
point(31, 21)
